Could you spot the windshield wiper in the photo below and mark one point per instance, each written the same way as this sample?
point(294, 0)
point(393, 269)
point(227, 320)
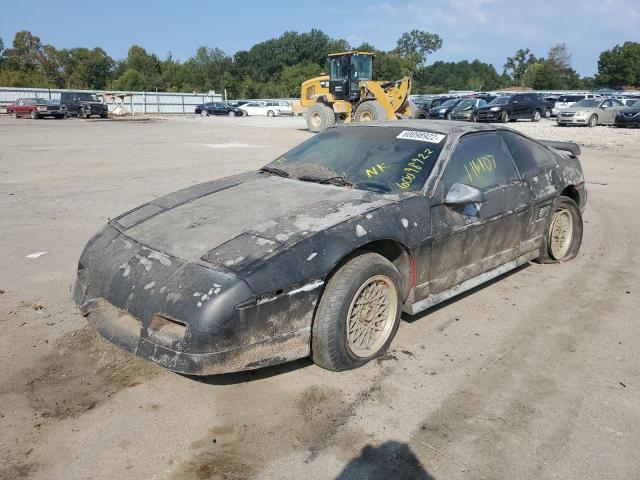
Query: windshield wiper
point(276, 171)
point(337, 180)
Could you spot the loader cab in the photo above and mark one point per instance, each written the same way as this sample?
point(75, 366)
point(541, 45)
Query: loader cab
point(346, 71)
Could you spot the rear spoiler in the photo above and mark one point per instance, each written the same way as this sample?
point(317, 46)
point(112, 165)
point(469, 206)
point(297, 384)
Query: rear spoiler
point(572, 148)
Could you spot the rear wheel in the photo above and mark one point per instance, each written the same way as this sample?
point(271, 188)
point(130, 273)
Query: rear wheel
point(593, 121)
point(358, 314)
point(320, 117)
point(547, 113)
point(536, 116)
point(370, 112)
point(563, 233)
point(232, 114)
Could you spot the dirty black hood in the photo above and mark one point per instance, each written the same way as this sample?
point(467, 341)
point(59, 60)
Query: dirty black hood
point(271, 210)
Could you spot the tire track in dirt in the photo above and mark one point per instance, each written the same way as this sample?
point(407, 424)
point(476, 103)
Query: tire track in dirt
point(265, 420)
point(83, 372)
point(488, 423)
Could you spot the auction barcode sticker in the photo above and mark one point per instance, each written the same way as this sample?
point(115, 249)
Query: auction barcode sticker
point(421, 136)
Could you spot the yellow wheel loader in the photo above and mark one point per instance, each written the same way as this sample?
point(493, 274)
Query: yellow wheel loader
point(348, 94)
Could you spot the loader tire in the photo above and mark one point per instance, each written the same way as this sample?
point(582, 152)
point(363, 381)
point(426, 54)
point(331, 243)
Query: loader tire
point(320, 117)
point(370, 111)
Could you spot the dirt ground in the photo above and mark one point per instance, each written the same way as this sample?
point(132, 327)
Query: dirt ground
point(533, 376)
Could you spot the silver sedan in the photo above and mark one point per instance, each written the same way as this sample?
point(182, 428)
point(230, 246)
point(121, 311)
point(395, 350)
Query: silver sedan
point(591, 112)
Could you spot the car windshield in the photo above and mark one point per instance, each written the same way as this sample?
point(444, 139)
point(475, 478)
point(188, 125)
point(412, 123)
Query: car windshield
point(587, 103)
point(379, 159)
point(449, 103)
point(87, 97)
point(466, 103)
point(499, 101)
point(570, 98)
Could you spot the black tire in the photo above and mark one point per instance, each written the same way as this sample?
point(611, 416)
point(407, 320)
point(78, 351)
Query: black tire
point(59, 117)
point(547, 113)
point(330, 346)
point(104, 115)
point(593, 121)
point(447, 116)
point(320, 117)
point(504, 118)
point(536, 116)
point(231, 114)
point(548, 254)
point(82, 113)
point(370, 111)
point(14, 114)
point(473, 118)
point(34, 115)
point(204, 113)
point(271, 113)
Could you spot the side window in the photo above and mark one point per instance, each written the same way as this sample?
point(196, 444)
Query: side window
point(517, 98)
point(530, 157)
point(480, 160)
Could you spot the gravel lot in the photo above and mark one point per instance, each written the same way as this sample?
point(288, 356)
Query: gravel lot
point(533, 376)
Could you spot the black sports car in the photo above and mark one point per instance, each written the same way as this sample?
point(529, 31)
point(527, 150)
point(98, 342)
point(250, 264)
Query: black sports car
point(320, 251)
point(218, 108)
point(629, 117)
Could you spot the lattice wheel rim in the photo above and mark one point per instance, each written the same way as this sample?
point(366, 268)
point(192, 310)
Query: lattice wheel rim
point(371, 316)
point(561, 233)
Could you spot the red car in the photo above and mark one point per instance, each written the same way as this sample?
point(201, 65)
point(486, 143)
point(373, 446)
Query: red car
point(36, 108)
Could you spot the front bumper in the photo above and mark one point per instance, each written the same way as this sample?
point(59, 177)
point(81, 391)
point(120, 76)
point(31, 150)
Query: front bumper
point(488, 116)
point(466, 115)
point(183, 315)
point(571, 120)
point(624, 121)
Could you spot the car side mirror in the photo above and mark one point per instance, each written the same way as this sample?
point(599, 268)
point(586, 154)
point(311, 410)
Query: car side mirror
point(461, 194)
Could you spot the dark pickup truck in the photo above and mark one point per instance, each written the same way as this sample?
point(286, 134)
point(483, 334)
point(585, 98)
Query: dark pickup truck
point(511, 108)
point(84, 104)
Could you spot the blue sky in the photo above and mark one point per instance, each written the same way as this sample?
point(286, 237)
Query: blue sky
point(489, 30)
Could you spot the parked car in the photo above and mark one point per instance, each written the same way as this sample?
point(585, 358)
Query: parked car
point(259, 108)
point(511, 108)
point(467, 109)
point(320, 251)
point(591, 112)
point(282, 105)
point(217, 108)
point(36, 108)
point(84, 104)
point(566, 101)
point(629, 116)
point(550, 104)
point(443, 111)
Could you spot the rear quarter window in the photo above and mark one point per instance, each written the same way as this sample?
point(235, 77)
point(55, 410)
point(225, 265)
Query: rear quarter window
point(530, 157)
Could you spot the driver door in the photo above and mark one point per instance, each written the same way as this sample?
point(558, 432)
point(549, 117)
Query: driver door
point(473, 238)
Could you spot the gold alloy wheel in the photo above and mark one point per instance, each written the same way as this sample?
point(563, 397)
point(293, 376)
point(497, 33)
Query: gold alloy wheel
point(316, 119)
point(560, 233)
point(371, 316)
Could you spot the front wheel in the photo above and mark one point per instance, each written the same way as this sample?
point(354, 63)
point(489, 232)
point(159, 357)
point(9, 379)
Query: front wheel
point(82, 113)
point(34, 115)
point(358, 314)
point(320, 117)
point(536, 116)
point(563, 232)
point(473, 118)
point(370, 111)
point(547, 113)
point(505, 117)
point(448, 116)
point(204, 113)
point(271, 113)
point(593, 121)
point(14, 114)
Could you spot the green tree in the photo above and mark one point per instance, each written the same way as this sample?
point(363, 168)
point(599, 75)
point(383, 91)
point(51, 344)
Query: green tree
point(147, 65)
point(416, 45)
point(131, 80)
point(620, 66)
point(517, 65)
point(293, 76)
